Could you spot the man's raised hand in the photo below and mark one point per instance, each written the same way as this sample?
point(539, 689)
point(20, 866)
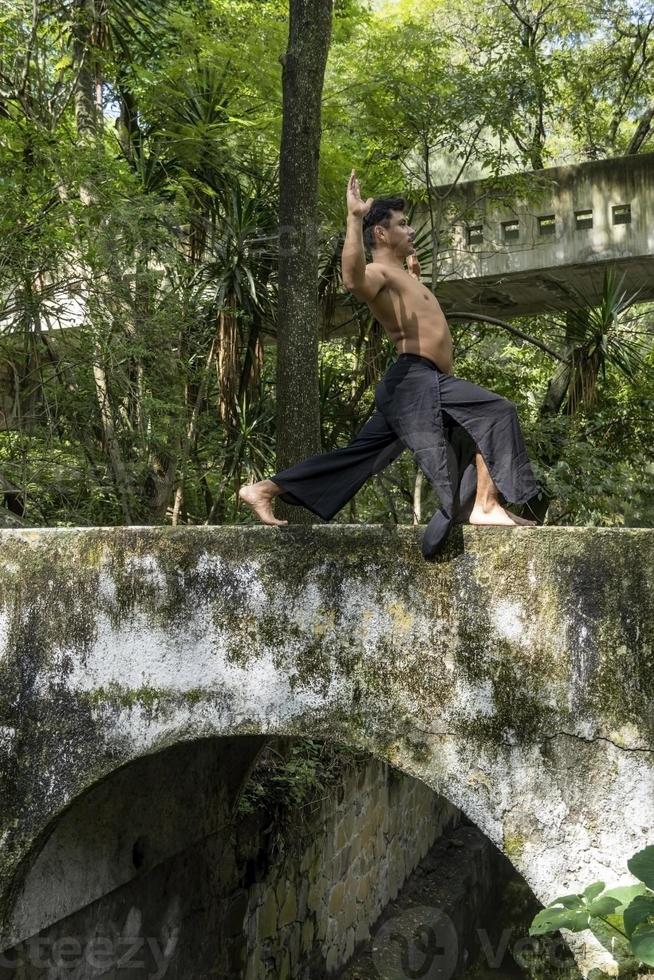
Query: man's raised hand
point(413, 266)
point(355, 205)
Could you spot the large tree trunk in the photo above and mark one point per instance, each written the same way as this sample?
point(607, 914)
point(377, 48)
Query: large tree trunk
point(303, 71)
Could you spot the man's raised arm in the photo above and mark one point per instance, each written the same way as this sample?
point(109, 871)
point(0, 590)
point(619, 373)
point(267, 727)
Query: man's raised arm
point(359, 278)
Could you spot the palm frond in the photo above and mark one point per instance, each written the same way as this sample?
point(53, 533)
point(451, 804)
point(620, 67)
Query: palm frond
point(597, 336)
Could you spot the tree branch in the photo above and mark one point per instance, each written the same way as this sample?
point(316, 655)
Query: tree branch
point(642, 130)
point(481, 318)
point(29, 50)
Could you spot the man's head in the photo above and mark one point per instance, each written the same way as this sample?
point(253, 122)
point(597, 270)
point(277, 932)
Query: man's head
point(387, 227)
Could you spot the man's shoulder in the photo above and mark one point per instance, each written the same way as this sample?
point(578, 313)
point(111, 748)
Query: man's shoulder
point(377, 272)
point(380, 272)
point(389, 279)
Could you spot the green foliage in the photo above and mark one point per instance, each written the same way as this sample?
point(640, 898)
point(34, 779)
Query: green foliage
point(641, 866)
point(139, 243)
point(629, 911)
point(290, 781)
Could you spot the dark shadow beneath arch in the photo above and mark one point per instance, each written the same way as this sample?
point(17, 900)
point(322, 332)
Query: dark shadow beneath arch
point(463, 914)
point(114, 865)
point(246, 857)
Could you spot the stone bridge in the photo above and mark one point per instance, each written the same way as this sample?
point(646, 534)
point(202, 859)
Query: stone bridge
point(514, 676)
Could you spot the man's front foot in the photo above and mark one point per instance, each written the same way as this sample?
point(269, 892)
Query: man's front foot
point(259, 497)
point(497, 516)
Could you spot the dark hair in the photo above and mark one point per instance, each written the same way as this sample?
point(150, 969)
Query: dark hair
point(380, 214)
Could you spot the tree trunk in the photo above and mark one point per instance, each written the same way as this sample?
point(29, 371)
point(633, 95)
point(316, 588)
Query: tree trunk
point(417, 498)
point(88, 117)
point(253, 359)
point(88, 121)
point(558, 387)
point(111, 443)
point(228, 363)
point(303, 71)
point(86, 112)
point(557, 392)
point(642, 130)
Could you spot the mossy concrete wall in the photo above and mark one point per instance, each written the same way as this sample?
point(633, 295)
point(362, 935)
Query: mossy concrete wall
point(515, 676)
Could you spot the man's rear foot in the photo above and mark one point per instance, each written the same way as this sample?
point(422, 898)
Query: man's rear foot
point(259, 497)
point(497, 516)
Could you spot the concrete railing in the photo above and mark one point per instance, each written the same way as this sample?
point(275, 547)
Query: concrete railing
point(531, 242)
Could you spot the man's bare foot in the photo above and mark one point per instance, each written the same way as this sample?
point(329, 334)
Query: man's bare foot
point(497, 516)
point(259, 497)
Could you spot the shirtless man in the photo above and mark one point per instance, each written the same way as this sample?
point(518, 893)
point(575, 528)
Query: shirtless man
point(416, 401)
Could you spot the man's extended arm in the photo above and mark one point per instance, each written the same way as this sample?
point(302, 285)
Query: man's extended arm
point(358, 277)
point(353, 260)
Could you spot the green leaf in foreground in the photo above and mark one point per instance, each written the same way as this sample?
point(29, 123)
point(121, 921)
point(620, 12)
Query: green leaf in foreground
point(592, 892)
point(640, 909)
point(603, 906)
point(570, 901)
point(642, 944)
point(624, 894)
point(641, 865)
point(551, 919)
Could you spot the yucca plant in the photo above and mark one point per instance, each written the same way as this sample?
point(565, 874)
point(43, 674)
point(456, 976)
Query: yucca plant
point(597, 336)
point(239, 279)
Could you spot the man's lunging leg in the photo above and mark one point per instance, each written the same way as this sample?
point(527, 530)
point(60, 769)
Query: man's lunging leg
point(487, 508)
point(325, 482)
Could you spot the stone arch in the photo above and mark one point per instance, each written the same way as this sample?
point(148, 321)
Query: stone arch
point(465, 775)
point(113, 830)
point(232, 756)
point(107, 843)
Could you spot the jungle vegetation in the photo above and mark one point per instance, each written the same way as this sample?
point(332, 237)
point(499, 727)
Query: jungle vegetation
point(140, 287)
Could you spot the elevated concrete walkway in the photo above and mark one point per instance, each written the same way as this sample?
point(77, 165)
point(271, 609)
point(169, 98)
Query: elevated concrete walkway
point(528, 243)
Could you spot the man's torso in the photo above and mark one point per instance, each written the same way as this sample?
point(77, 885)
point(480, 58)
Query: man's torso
point(412, 318)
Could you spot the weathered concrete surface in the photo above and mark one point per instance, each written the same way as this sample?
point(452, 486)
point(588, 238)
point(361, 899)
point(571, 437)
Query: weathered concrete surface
point(515, 676)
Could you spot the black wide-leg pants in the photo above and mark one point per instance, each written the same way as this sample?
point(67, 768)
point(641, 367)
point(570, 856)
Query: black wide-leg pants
point(443, 420)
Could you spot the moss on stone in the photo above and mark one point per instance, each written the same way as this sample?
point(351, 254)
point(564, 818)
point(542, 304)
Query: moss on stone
point(513, 845)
